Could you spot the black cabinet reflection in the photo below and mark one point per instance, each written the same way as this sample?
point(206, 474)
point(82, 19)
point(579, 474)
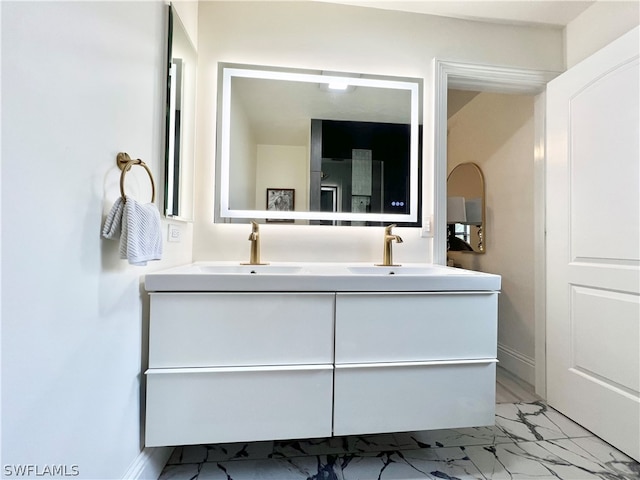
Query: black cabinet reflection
point(361, 167)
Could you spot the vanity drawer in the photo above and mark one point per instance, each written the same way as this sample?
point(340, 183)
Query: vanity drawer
point(216, 405)
point(405, 397)
point(240, 329)
point(407, 327)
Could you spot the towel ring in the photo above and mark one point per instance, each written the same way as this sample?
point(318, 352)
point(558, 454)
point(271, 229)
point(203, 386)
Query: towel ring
point(125, 162)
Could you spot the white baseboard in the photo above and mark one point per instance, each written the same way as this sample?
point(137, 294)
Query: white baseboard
point(148, 464)
point(518, 364)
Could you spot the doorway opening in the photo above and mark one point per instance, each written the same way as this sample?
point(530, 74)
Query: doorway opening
point(501, 80)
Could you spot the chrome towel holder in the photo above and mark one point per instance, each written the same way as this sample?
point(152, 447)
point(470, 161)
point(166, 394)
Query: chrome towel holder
point(125, 162)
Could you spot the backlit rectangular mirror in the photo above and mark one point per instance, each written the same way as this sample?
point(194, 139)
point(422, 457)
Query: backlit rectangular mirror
point(313, 147)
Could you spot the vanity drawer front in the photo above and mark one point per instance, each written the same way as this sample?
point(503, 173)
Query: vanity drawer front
point(240, 329)
point(407, 327)
point(197, 406)
point(404, 397)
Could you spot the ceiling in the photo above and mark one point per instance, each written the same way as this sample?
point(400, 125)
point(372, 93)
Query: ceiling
point(551, 13)
point(279, 111)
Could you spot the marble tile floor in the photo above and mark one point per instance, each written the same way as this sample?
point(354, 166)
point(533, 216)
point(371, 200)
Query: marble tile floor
point(528, 441)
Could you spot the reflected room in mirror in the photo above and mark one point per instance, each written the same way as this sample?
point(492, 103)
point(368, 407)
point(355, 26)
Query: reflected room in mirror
point(180, 121)
point(347, 144)
point(466, 218)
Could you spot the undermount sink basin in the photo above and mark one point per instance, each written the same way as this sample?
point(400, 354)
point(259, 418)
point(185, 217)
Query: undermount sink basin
point(251, 269)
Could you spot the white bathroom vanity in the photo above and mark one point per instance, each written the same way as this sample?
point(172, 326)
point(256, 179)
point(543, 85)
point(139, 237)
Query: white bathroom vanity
point(283, 351)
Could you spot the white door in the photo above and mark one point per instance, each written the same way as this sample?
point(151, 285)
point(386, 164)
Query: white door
point(593, 244)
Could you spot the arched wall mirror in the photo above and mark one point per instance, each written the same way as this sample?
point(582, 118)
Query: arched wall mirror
point(466, 218)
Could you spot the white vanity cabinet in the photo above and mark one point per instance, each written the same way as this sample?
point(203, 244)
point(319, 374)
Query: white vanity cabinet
point(226, 367)
point(237, 357)
point(414, 361)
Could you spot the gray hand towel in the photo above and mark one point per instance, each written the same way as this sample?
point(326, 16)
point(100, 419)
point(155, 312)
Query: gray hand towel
point(141, 238)
point(139, 229)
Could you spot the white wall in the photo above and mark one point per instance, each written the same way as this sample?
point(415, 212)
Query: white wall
point(283, 166)
point(188, 12)
point(339, 38)
point(81, 81)
point(243, 160)
point(598, 26)
point(497, 133)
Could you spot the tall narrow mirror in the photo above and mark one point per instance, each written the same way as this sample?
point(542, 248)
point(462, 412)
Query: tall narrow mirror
point(344, 146)
point(466, 218)
point(180, 121)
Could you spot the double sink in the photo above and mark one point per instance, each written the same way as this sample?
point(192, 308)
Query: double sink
point(301, 277)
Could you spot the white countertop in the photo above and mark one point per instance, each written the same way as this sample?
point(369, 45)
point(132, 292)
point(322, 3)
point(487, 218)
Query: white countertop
point(315, 277)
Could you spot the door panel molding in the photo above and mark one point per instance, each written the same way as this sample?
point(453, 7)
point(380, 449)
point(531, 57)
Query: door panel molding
point(616, 388)
point(610, 276)
point(607, 349)
point(603, 179)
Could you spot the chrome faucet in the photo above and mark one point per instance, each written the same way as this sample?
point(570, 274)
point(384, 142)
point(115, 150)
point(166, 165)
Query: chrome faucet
point(387, 257)
point(254, 238)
